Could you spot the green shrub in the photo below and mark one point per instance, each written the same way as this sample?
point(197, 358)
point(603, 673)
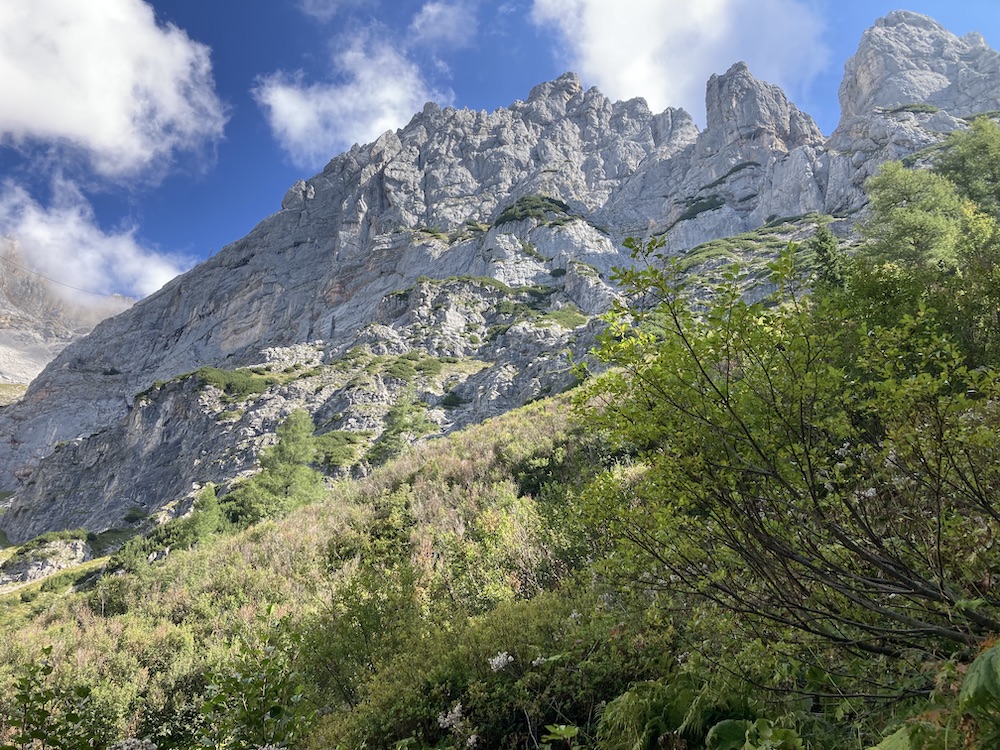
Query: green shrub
point(568, 316)
point(400, 370)
point(109, 540)
point(738, 168)
point(257, 698)
point(404, 423)
point(430, 366)
point(135, 514)
point(237, 384)
point(531, 251)
point(916, 107)
point(452, 400)
point(62, 581)
point(700, 205)
point(538, 207)
point(501, 678)
point(179, 533)
point(338, 448)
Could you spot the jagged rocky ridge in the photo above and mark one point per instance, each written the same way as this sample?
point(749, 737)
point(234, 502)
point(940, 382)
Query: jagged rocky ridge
point(487, 239)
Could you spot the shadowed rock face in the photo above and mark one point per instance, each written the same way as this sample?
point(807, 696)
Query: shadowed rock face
point(537, 195)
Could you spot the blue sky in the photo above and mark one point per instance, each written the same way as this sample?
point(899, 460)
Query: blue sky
point(138, 137)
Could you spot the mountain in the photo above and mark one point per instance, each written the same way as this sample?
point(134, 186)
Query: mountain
point(456, 266)
point(36, 323)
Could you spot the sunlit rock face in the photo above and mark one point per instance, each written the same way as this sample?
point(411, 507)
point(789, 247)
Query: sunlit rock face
point(487, 238)
point(907, 58)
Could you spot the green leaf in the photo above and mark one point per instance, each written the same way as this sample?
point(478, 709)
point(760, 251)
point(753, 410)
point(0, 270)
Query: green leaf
point(560, 732)
point(899, 740)
point(730, 734)
point(981, 686)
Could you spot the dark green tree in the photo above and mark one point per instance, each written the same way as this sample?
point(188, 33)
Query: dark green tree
point(404, 423)
point(830, 260)
point(286, 479)
point(915, 217)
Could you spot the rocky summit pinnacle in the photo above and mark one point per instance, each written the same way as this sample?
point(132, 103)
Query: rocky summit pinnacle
point(740, 111)
point(457, 264)
point(908, 58)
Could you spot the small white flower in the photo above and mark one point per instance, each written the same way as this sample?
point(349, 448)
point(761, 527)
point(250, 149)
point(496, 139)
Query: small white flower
point(452, 718)
point(471, 742)
point(538, 661)
point(500, 661)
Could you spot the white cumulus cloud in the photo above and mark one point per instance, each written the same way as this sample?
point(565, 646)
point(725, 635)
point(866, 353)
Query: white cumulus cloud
point(665, 50)
point(445, 23)
point(377, 88)
point(106, 79)
point(64, 242)
point(103, 86)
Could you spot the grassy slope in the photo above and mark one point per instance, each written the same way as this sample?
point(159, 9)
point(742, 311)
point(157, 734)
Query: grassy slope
point(471, 534)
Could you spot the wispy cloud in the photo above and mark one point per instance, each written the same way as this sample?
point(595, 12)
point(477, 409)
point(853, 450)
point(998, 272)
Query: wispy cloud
point(450, 24)
point(104, 79)
point(325, 10)
point(666, 51)
point(64, 242)
point(377, 88)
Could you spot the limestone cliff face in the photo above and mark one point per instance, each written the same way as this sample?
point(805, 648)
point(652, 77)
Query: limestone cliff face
point(484, 238)
point(907, 58)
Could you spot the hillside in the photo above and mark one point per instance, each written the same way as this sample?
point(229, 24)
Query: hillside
point(486, 238)
point(548, 486)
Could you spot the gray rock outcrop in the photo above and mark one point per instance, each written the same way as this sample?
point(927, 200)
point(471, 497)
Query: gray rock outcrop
point(49, 558)
point(488, 238)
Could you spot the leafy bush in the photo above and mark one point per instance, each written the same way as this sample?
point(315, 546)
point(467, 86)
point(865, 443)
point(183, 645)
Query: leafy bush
point(568, 316)
point(48, 714)
point(236, 384)
point(338, 448)
point(286, 479)
point(257, 698)
point(538, 207)
point(700, 205)
point(400, 370)
point(404, 423)
point(501, 678)
point(205, 520)
point(750, 399)
point(916, 107)
point(452, 400)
